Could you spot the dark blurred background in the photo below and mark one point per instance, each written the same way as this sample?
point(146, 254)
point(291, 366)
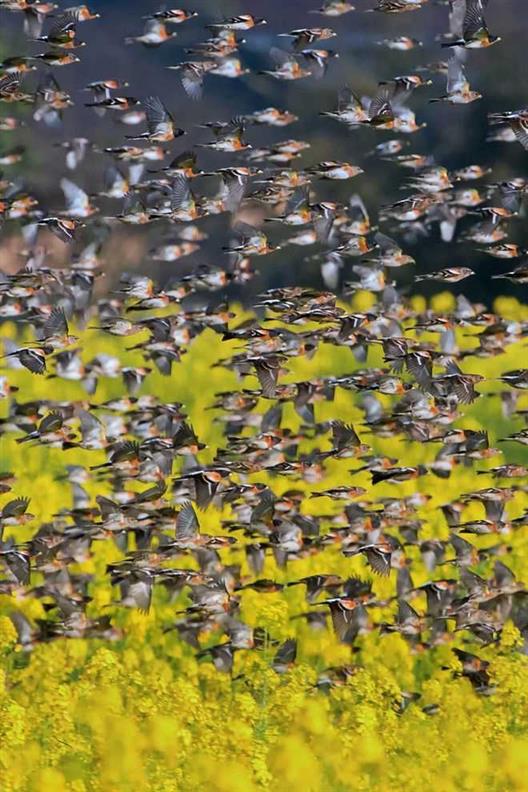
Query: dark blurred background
point(456, 136)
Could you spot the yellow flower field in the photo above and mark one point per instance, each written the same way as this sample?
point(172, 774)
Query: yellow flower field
point(138, 710)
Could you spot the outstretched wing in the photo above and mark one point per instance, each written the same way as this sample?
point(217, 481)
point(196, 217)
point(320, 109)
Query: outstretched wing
point(56, 324)
point(187, 525)
point(157, 113)
point(474, 19)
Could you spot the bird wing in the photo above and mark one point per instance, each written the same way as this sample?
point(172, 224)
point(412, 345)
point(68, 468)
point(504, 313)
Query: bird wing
point(192, 82)
point(456, 79)
point(235, 187)
point(64, 23)
point(187, 525)
point(474, 19)
point(180, 193)
point(267, 375)
point(157, 113)
point(56, 324)
point(457, 13)
point(380, 106)
point(386, 244)
point(92, 430)
point(15, 507)
point(76, 198)
point(520, 128)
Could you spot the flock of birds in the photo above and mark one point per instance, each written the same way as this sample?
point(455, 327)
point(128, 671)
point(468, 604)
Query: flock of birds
point(150, 441)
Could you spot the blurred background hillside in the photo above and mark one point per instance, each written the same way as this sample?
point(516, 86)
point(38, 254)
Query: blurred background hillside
point(456, 136)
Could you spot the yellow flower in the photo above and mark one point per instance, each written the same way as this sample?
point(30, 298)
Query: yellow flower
point(8, 635)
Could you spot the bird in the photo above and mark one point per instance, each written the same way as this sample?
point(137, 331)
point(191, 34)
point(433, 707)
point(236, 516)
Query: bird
point(154, 34)
point(304, 36)
point(287, 66)
point(78, 202)
point(173, 16)
point(32, 358)
point(474, 33)
point(517, 120)
point(160, 123)
point(448, 275)
point(458, 90)
point(240, 22)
